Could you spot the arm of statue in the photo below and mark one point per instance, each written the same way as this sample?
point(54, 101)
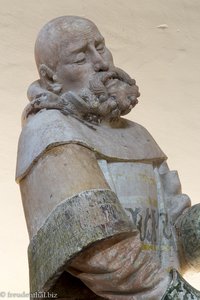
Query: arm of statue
point(77, 224)
point(68, 206)
point(185, 220)
point(188, 231)
point(116, 268)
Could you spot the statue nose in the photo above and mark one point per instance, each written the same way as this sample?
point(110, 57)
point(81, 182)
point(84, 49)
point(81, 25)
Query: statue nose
point(101, 66)
point(99, 62)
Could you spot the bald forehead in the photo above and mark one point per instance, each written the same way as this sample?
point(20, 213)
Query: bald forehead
point(74, 24)
point(67, 31)
point(74, 41)
point(72, 27)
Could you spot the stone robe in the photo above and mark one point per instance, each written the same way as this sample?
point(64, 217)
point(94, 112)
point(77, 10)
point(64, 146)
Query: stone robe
point(100, 204)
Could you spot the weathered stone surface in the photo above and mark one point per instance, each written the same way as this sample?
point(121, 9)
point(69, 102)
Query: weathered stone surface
point(60, 173)
point(76, 223)
point(77, 289)
point(179, 289)
point(122, 141)
point(73, 225)
point(189, 234)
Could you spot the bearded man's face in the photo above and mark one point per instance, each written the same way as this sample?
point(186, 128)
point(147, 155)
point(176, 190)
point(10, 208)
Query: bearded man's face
point(85, 67)
point(82, 53)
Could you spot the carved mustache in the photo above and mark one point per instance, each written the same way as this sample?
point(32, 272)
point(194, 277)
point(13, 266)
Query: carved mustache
point(98, 81)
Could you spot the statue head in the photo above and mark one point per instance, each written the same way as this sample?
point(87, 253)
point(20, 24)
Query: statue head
point(70, 50)
point(71, 55)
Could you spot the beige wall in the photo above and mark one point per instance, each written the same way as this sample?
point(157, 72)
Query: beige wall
point(164, 61)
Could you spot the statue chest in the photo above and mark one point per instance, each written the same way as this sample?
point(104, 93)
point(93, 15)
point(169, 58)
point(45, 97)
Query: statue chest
point(138, 188)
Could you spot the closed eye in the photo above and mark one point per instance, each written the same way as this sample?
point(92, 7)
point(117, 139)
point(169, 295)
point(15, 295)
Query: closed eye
point(100, 47)
point(80, 59)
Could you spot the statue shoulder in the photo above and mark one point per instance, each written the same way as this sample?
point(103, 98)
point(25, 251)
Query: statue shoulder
point(141, 142)
point(120, 141)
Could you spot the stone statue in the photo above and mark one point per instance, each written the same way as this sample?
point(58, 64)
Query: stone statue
point(105, 215)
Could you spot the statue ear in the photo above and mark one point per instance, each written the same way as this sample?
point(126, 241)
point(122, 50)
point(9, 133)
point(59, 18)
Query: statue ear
point(49, 79)
point(46, 73)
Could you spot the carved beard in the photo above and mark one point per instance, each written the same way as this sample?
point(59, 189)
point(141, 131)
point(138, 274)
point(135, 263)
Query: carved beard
point(110, 95)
